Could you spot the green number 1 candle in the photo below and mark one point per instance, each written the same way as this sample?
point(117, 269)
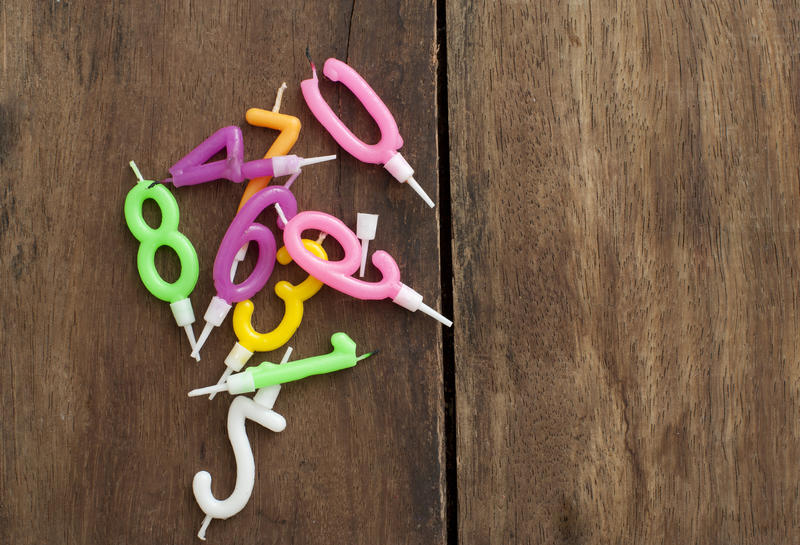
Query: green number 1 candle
point(167, 234)
point(341, 357)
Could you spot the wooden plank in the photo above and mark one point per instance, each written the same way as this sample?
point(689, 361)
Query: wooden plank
point(625, 196)
point(99, 441)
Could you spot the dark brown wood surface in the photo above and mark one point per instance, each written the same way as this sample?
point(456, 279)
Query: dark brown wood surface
point(623, 199)
point(626, 243)
point(99, 441)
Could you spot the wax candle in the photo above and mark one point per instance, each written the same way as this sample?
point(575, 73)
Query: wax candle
point(194, 169)
point(259, 410)
point(175, 293)
point(338, 274)
point(289, 127)
point(341, 357)
point(293, 297)
point(384, 152)
point(244, 229)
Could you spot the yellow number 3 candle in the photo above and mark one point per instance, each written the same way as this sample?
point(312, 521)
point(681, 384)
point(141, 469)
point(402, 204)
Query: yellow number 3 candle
point(293, 297)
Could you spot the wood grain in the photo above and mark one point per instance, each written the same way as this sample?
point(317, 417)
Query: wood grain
point(624, 181)
point(99, 441)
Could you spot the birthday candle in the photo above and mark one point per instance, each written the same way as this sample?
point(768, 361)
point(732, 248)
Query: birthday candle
point(244, 229)
point(176, 293)
point(338, 274)
point(385, 151)
point(194, 169)
point(342, 356)
point(258, 409)
point(289, 127)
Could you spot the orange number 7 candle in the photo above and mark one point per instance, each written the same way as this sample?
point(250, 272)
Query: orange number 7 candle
point(289, 127)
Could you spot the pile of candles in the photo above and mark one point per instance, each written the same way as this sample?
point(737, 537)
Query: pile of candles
point(243, 234)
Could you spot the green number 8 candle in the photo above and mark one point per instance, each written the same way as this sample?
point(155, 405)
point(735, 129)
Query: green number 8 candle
point(167, 234)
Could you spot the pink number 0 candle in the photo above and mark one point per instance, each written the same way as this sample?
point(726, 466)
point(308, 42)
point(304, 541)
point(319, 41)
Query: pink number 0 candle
point(384, 152)
point(338, 274)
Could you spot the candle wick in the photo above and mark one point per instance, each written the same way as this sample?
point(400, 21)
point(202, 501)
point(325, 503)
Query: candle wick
point(291, 179)
point(277, 107)
point(281, 214)
point(308, 56)
point(136, 171)
point(365, 356)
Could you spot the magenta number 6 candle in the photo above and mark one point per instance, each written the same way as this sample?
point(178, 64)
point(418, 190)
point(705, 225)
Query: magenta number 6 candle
point(242, 230)
point(338, 274)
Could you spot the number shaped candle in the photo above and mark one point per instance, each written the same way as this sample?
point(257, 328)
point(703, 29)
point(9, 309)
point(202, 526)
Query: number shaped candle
point(293, 297)
point(258, 409)
point(243, 229)
point(175, 293)
point(341, 357)
point(338, 274)
point(194, 169)
point(385, 151)
point(289, 127)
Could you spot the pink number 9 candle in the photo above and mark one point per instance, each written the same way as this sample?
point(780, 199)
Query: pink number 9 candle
point(242, 230)
point(338, 274)
point(385, 151)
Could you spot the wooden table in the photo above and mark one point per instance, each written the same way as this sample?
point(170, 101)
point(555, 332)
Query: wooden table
point(616, 237)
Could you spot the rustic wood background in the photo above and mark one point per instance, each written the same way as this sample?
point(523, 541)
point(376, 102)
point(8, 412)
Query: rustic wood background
point(616, 236)
point(624, 183)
